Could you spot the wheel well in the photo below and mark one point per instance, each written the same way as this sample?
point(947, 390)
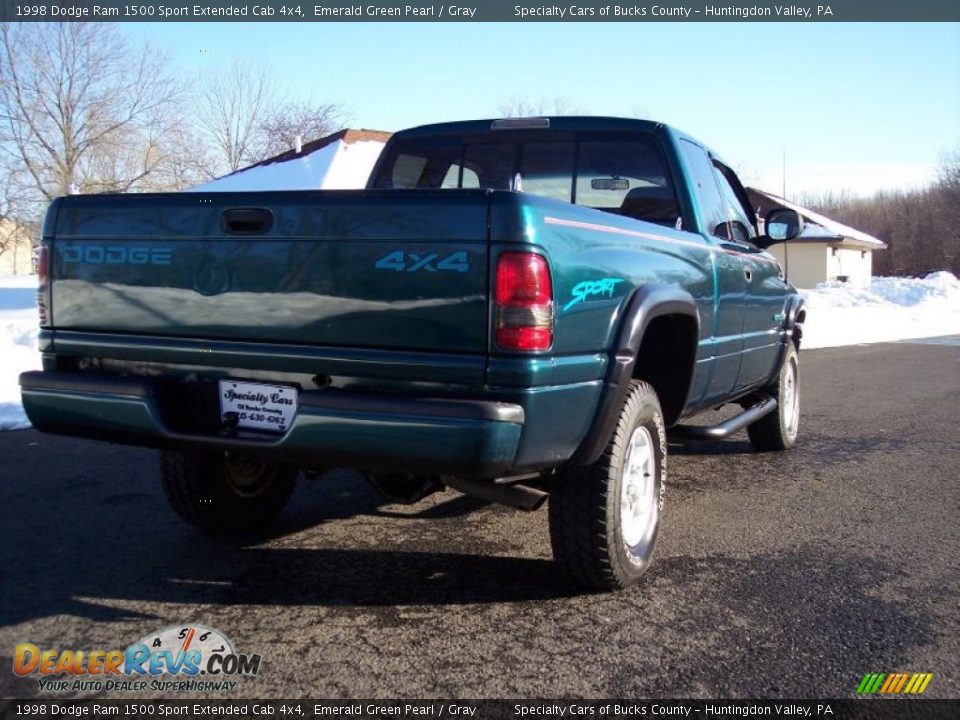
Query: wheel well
point(665, 360)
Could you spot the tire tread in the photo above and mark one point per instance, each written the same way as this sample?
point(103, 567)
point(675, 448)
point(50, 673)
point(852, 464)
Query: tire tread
point(580, 534)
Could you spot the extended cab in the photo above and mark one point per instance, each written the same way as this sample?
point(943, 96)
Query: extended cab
point(512, 308)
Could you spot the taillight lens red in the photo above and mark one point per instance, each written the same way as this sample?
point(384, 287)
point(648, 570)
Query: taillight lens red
point(523, 279)
point(43, 272)
point(524, 297)
point(43, 260)
point(524, 338)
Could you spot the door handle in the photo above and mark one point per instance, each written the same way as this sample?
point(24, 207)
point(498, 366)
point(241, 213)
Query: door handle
point(747, 274)
point(246, 221)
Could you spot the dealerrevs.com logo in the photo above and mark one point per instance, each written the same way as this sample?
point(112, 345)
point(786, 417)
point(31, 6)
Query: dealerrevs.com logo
point(177, 659)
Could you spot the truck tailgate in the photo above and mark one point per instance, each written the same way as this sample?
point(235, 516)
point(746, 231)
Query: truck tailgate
point(365, 269)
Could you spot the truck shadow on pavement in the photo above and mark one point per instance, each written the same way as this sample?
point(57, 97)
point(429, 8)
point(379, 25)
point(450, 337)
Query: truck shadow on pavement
point(192, 571)
point(126, 545)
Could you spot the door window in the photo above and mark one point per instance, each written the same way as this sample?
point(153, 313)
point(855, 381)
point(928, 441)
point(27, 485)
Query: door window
point(701, 175)
point(741, 225)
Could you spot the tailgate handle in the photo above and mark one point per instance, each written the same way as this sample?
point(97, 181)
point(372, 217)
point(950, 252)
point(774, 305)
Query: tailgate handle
point(246, 221)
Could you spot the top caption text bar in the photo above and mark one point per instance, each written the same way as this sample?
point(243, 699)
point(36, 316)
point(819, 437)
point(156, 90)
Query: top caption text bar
point(478, 11)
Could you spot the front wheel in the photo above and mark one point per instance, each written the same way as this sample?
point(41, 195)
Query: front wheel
point(604, 518)
point(778, 430)
point(224, 493)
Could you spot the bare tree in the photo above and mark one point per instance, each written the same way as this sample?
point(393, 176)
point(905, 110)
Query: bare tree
point(244, 116)
point(535, 107)
point(232, 106)
point(920, 226)
point(947, 207)
point(309, 121)
point(518, 106)
point(188, 159)
point(17, 231)
point(80, 109)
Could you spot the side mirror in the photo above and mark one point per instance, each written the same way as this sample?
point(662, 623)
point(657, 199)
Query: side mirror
point(781, 225)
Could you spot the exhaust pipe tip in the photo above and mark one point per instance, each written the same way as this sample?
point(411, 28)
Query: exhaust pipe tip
point(404, 489)
point(521, 497)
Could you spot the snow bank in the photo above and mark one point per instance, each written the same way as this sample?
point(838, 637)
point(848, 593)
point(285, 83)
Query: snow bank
point(837, 314)
point(18, 345)
point(888, 309)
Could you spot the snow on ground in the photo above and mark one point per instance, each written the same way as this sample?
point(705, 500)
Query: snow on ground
point(18, 345)
point(889, 308)
point(837, 314)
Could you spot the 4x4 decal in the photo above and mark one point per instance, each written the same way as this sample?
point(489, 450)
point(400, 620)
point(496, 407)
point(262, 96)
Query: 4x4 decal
point(399, 261)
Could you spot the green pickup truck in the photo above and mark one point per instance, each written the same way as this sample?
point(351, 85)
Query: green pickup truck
point(517, 309)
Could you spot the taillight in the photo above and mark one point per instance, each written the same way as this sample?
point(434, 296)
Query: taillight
point(43, 270)
point(524, 298)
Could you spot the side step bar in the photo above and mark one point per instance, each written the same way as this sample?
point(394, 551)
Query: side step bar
point(701, 433)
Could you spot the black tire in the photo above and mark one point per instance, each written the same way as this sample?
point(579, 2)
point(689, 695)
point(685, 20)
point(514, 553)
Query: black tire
point(587, 530)
point(223, 494)
point(778, 430)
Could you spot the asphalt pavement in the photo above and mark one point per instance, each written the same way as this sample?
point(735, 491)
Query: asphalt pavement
point(776, 575)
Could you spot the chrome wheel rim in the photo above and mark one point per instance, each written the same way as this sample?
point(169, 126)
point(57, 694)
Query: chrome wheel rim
point(637, 488)
point(791, 400)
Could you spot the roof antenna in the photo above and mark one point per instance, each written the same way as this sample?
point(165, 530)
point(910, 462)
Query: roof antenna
point(298, 144)
point(786, 243)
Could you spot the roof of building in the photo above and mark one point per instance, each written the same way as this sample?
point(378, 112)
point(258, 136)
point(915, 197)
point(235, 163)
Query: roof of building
point(340, 161)
point(817, 227)
point(347, 135)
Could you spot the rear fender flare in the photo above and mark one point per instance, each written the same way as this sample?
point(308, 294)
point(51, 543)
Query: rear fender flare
point(645, 304)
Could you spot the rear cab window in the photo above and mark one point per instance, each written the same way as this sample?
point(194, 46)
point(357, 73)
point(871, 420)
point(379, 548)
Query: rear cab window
point(621, 174)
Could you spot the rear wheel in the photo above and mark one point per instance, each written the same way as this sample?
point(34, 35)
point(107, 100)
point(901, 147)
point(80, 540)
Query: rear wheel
point(778, 430)
point(225, 493)
point(604, 518)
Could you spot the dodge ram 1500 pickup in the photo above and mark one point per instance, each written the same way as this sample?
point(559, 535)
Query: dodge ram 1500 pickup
point(516, 309)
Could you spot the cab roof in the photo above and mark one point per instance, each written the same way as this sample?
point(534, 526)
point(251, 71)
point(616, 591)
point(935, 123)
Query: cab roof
point(546, 123)
point(562, 123)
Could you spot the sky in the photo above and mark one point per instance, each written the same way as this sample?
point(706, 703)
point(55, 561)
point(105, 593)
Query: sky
point(855, 107)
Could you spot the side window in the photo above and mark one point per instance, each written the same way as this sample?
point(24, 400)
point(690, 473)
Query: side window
point(741, 224)
point(712, 210)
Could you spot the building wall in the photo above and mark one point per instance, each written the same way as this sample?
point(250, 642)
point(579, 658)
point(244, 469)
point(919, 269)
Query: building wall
point(17, 257)
point(813, 263)
point(808, 263)
point(856, 265)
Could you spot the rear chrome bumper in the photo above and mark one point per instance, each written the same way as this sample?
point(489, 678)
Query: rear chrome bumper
point(332, 428)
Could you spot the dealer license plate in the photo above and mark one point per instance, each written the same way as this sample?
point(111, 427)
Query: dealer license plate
point(258, 407)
